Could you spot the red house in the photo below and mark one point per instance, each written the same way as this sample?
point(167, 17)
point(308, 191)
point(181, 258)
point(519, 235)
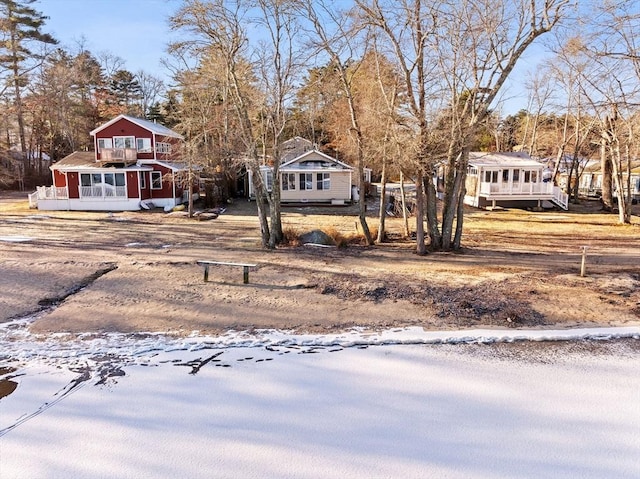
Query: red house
point(134, 166)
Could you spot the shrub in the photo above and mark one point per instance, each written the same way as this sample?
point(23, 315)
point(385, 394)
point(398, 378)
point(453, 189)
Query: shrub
point(290, 236)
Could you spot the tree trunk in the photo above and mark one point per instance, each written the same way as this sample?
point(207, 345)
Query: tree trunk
point(457, 240)
point(606, 170)
point(382, 213)
point(435, 238)
point(403, 199)
point(420, 245)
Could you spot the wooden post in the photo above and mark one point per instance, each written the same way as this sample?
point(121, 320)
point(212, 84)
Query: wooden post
point(584, 261)
point(206, 273)
point(245, 277)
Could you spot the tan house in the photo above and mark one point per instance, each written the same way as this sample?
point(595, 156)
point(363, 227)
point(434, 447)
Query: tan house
point(311, 177)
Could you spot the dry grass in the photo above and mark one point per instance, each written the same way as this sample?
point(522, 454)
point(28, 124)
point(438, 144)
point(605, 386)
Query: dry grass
point(291, 236)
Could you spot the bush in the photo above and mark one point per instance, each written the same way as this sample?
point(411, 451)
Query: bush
point(290, 236)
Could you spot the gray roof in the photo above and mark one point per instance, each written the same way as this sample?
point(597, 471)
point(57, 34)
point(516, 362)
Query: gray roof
point(517, 159)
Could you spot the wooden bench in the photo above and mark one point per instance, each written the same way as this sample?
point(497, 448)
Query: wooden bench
point(245, 268)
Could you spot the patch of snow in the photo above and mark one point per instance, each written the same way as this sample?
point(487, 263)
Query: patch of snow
point(16, 239)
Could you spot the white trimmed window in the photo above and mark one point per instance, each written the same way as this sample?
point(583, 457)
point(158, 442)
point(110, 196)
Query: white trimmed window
point(143, 180)
point(156, 180)
point(491, 176)
point(306, 181)
point(163, 147)
point(288, 181)
point(144, 145)
point(104, 143)
point(324, 181)
point(124, 142)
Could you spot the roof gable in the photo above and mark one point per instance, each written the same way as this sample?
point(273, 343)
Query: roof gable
point(315, 159)
point(154, 128)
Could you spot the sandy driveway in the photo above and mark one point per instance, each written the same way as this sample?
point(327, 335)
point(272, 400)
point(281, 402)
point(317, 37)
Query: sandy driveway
point(136, 271)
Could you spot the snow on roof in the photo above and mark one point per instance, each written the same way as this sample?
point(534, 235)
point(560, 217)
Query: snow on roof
point(477, 158)
point(153, 127)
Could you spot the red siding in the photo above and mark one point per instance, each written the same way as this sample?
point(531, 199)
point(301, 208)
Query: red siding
point(124, 127)
point(167, 183)
point(59, 179)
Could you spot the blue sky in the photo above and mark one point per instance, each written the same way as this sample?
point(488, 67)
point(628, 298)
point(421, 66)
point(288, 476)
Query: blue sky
point(138, 32)
point(135, 30)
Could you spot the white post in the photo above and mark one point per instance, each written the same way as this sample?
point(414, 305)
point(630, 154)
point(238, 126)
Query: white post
point(584, 261)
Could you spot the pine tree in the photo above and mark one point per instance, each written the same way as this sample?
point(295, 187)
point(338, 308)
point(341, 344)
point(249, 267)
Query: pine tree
point(127, 92)
point(20, 26)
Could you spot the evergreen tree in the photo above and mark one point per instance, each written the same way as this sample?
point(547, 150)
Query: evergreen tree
point(127, 92)
point(20, 26)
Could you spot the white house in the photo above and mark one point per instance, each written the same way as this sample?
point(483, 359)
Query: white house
point(510, 180)
point(591, 179)
point(312, 177)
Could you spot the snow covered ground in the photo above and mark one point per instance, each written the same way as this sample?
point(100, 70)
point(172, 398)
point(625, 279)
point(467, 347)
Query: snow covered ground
point(403, 403)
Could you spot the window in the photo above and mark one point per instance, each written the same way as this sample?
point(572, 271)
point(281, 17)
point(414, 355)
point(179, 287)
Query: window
point(163, 147)
point(505, 176)
point(268, 179)
point(288, 181)
point(143, 180)
point(530, 176)
point(124, 142)
point(324, 181)
point(306, 181)
point(103, 184)
point(144, 145)
point(491, 176)
point(156, 180)
point(104, 143)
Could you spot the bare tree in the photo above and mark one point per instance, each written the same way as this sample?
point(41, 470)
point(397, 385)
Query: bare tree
point(338, 44)
point(613, 91)
point(474, 46)
point(151, 89)
point(279, 65)
point(258, 92)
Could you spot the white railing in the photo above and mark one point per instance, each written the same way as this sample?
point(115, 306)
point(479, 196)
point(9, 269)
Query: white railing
point(560, 198)
point(515, 189)
point(51, 193)
point(103, 191)
point(118, 154)
point(33, 199)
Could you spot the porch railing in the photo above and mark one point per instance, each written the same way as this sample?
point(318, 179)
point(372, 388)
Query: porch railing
point(560, 198)
point(118, 154)
point(51, 193)
point(103, 191)
point(516, 189)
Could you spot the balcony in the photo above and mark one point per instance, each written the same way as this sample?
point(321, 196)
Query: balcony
point(120, 155)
